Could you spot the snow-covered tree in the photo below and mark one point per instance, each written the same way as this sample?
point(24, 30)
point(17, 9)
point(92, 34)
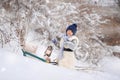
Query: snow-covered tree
point(32, 21)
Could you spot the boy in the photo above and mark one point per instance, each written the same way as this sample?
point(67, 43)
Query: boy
point(68, 45)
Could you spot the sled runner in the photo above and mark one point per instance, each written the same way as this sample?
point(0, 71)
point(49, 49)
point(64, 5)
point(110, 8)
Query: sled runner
point(25, 53)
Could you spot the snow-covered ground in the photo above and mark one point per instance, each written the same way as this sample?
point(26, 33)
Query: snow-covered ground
point(17, 67)
point(37, 22)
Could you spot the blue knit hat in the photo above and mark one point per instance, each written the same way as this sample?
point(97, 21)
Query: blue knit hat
point(73, 28)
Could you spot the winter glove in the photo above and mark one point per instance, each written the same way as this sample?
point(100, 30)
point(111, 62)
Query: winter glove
point(54, 41)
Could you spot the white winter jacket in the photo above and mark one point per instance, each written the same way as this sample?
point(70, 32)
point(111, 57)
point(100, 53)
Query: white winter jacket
point(69, 42)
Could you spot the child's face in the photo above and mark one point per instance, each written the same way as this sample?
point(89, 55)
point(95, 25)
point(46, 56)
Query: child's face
point(69, 33)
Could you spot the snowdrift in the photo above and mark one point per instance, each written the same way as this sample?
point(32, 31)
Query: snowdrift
point(17, 67)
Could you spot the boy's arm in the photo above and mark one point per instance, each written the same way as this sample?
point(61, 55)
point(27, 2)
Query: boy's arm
point(72, 43)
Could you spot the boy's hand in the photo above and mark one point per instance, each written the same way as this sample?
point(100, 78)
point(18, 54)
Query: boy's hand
point(54, 41)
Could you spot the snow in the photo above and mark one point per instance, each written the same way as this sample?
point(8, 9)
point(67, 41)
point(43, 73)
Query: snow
point(116, 48)
point(103, 2)
point(111, 65)
point(16, 67)
point(51, 17)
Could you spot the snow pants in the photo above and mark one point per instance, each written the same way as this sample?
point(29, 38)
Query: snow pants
point(68, 60)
